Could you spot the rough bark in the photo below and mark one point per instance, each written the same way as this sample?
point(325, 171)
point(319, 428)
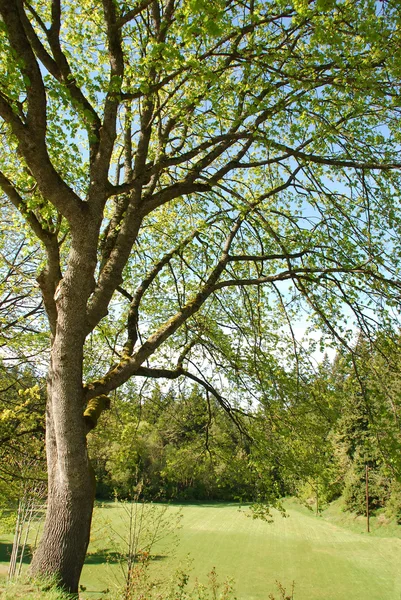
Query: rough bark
point(62, 549)
point(65, 539)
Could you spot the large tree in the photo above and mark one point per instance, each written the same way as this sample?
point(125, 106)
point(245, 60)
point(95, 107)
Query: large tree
point(195, 171)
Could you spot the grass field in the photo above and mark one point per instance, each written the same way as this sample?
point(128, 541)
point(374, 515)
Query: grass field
point(328, 557)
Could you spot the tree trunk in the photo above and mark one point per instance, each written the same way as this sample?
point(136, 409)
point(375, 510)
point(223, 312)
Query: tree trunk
point(61, 551)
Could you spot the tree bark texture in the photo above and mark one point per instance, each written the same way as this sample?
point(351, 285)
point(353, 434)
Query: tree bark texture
point(62, 549)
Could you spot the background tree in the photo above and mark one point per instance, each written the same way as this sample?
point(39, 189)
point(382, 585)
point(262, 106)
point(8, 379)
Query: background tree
point(367, 433)
point(22, 458)
point(180, 164)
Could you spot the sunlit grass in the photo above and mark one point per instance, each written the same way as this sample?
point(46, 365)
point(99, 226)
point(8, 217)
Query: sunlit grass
point(330, 557)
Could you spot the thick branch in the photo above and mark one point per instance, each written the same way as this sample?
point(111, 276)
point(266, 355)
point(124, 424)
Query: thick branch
point(59, 67)
point(94, 409)
point(111, 275)
point(133, 315)
point(20, 205)
point(31, 134)
point(131, 14)
point(128, 366)
point(36, 97)
point(336, 162)
point(100, 166)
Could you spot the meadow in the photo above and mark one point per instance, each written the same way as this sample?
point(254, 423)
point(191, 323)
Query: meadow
point(329, 557)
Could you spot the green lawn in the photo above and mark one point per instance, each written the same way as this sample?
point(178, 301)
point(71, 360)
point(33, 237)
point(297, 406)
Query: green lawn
point(327, 560)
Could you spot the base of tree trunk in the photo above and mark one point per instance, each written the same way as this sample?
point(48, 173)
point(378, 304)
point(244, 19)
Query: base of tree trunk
point(62, 549)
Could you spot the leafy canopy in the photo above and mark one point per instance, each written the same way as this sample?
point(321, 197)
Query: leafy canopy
point(212, 168)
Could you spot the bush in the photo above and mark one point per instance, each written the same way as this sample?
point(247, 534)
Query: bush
point(143, 587)
point(393, 506)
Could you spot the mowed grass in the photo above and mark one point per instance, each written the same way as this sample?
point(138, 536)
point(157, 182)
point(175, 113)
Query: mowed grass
point(327, 561)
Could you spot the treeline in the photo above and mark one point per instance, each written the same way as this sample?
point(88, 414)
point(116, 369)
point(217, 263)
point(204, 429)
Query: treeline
point(173, 446)
point(314, 433)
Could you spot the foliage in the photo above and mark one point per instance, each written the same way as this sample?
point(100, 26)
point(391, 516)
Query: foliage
point(176, 448)
point(393, 504)
point(188, 177)
point(261, 132)
point(350, 427)
point(21, 432)
point(366, 435)
point(23, 334)
point(312, 436)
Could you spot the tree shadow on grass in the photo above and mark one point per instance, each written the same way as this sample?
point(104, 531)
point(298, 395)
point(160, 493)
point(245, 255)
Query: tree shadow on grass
point(209, 504)
point(6, 549)
point(101, 503)
point(102, 556)
point(106, 556)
